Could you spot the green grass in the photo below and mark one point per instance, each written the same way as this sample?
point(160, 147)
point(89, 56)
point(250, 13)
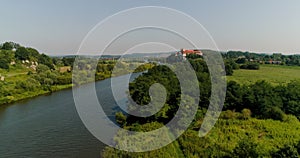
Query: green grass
point(269, 135)
point(275, 74)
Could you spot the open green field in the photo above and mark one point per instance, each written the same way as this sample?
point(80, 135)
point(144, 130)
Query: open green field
point(275, 74)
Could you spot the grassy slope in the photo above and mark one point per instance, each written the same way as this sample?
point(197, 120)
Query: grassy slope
point(274, 74)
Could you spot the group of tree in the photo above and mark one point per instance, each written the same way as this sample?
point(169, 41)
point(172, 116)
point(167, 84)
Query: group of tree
point(264, 100)
point(244, 57)
point(13, 52)
point(260, 100)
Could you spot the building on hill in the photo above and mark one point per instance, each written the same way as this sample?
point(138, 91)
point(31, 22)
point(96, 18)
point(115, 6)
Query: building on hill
point(185, 52)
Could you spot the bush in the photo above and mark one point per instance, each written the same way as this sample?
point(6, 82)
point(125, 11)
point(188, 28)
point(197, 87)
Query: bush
point(245, 148)
point(4, 64)
point(275, 113)
point(228, 114)
point(228, 69)
point(246, 114)
point(121, 118)
point(42, 68)
point(286, 151)
point(250, 66)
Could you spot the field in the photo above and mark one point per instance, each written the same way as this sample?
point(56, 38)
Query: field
point(275, 74)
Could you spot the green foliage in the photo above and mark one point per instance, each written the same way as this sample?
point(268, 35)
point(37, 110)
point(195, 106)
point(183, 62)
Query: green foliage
point(42, 68)
point(193, 56)
point(246, 148)
point(236, 134)
point(287, 151)
point(170, 151)
point(9, 46)
point(246, 114)
point(275, 113)
point(4, 64)
point(68, 61)
point(29, 85)
point(22, 54)
point(121, 118)
point(250, 66)
point(228, 69)
point(46, 60)
point(228, 114)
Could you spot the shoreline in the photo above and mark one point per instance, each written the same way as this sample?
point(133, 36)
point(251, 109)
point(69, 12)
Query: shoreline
point(55, 88)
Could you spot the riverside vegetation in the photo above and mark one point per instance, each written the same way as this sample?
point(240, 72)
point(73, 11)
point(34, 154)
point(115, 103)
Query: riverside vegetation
point(26, 73)
point(260, 116)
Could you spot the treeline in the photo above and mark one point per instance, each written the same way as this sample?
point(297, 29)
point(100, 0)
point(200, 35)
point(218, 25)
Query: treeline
point(264, 100)
point(275, 58)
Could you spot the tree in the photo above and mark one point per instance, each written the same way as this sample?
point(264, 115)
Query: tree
point(241, 60)
point(33, 53)
point(228, 69)
point(234, 93)
point(4, 64)
point(7, 46)
point(275, 113)
point(46, 60)
point(22, 54)
point(42, 68)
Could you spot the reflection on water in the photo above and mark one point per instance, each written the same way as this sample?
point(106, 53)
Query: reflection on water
point(49, 126)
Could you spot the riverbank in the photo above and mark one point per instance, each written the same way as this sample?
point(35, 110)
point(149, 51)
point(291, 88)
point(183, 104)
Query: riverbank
point(32, 94)
point(24, 86)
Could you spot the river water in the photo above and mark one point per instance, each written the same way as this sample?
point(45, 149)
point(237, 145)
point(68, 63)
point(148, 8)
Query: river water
point(49, 126)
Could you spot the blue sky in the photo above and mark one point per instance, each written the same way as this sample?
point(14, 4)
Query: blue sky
point(59, 26)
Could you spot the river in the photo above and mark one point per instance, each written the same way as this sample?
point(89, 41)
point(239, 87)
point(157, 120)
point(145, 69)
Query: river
point(49, 126)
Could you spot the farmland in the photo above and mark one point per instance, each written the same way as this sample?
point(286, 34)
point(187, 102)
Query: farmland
point(274, 74)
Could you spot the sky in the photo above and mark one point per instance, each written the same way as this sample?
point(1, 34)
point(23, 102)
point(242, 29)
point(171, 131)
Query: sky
point(58, 27)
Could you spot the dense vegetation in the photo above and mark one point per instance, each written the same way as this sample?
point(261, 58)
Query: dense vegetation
point(260, 116)
point(26, 73)
point(276, 58)
point(258, 120)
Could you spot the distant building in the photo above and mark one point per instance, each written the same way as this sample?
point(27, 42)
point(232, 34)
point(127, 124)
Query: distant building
point(65, 69)
point(185, 52)
point(273, 62)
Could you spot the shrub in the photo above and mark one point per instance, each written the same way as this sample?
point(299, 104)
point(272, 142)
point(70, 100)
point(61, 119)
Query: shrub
point(228, 114)
point(121, 118)
point(245, 148)
point(275, 113)
point(286, 151)
point(250, 66)
point(246, 114)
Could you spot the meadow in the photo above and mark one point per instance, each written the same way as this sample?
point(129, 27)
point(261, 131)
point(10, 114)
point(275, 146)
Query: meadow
point(274, 74)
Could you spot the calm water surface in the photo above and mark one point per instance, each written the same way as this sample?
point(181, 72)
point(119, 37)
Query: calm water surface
point(49, 126)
